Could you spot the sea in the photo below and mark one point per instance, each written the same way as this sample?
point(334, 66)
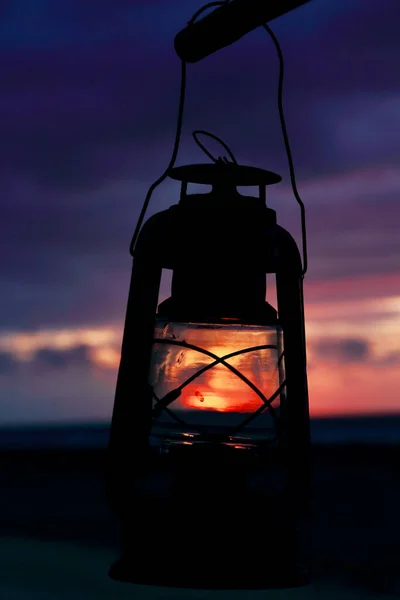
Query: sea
point(368, 430)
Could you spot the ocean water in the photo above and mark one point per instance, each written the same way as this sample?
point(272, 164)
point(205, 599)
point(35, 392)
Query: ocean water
point(380, 430)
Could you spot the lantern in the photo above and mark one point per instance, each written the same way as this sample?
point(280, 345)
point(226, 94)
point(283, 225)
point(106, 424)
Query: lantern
point(208, 467)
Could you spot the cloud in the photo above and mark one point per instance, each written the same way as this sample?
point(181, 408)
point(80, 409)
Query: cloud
point(46, 359)
point(78, 356)
point(358, 186)
point(355, 290)
point(351, 221)
point(391, 359)
point(58, 351)
point(84, 134)
point(65, 257)
point(74, 382)
point(84, 105)
point(89, 100)
point(8, 364)
point(365, 126)
point(351, 350)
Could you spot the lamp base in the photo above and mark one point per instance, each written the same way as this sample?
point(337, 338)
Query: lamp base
point(210, 530)
point(222, 553)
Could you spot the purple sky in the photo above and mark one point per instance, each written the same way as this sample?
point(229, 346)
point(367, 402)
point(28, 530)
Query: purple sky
point(88, 108)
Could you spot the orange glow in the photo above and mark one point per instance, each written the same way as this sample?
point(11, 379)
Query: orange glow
point(221, 390)
point(106, 357)
point(205, 397)
point(218, 388)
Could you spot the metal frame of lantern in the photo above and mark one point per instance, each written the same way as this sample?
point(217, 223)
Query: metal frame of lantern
point(159, 245)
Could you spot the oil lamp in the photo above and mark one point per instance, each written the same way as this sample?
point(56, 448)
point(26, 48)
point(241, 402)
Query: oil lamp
point(209, 451)
point(209, 444)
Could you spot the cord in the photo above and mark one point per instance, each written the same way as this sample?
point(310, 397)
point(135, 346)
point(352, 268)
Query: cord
point(287, 146)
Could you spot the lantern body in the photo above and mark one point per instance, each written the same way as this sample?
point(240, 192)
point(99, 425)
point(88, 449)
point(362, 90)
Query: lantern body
point(209, 442)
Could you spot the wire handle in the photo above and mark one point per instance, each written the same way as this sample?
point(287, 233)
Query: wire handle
point(287, 147)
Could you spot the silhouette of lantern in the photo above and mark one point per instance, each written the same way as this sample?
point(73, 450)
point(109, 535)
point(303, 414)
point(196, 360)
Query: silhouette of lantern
point(209, 443)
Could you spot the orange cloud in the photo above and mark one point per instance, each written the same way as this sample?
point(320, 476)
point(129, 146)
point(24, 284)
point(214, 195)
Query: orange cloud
point(25, 345)
point(368, 287)
point(353, 337)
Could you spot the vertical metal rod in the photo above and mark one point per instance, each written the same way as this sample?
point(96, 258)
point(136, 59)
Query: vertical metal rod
point(183, 191)
point(263, 193)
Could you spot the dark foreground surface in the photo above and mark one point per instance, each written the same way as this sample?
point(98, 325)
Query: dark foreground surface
point(54, 521)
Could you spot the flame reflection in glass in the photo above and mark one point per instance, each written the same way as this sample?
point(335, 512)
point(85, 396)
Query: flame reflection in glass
point(218, 399)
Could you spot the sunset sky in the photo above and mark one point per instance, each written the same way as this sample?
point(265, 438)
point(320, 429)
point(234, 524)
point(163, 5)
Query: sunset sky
point(89, 92)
